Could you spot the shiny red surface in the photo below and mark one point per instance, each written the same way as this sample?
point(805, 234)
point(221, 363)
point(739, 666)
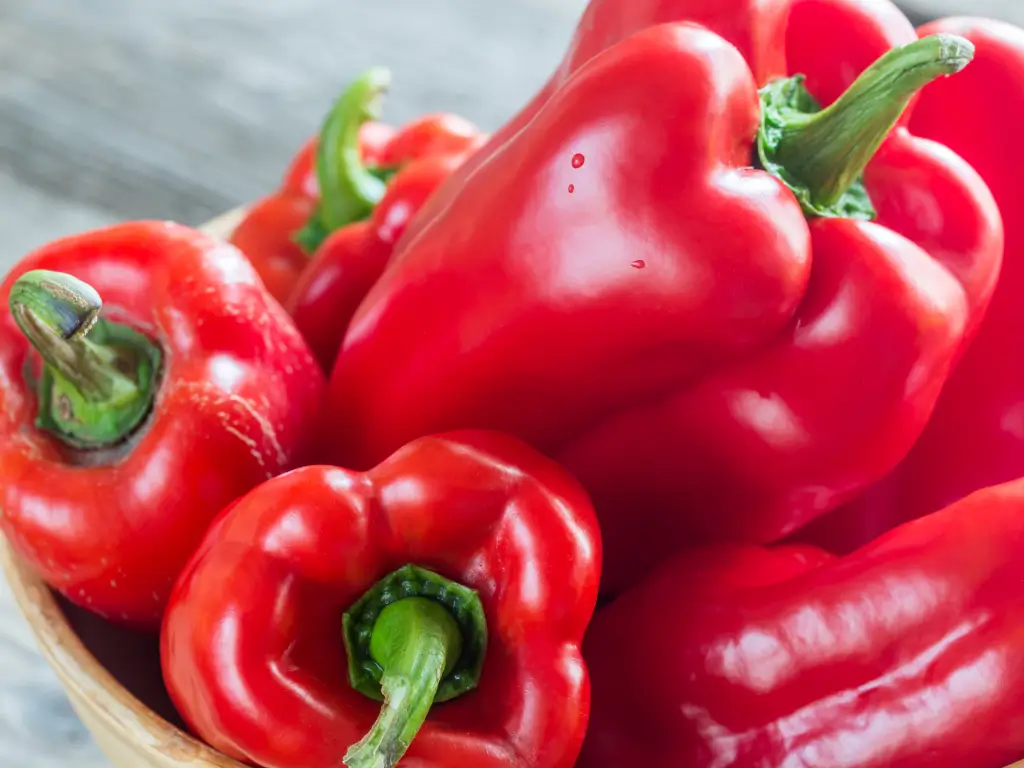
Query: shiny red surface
point(756, 372)
point(352, 259)
point(252, 643)
point(976, 436)
point(904, 654)
point(239, 398)
point(265, 234)
point(429, 136)
point(753, 26)
point(265, 237)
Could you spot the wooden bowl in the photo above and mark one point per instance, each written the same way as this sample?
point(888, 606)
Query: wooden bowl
point(112, 675)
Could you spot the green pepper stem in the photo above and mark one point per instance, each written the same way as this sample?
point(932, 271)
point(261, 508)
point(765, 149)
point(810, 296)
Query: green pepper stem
point(417, 642)
point(828, 151)
point(56, 312)
point(348, 190)
point(93, 391)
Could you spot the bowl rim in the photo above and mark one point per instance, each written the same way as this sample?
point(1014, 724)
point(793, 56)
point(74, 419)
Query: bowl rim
point(80, 673)
point(88, 680)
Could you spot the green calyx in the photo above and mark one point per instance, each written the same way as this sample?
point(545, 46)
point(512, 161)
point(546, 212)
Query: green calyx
point(780, 102)
point(99, 379)
point(349, 190)
point(413, 640)
point(821, 154)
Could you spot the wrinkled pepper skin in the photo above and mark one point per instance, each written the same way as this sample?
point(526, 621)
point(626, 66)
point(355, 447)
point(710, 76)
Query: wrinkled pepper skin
point(238, 401)
point(904, 654)
point(709, 363)
point(352, 258)
point(753, 26)
point(266, 234)
point(976, 436)
point(252, 643)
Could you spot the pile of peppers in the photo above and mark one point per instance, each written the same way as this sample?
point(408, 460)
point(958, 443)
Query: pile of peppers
point(677, 423)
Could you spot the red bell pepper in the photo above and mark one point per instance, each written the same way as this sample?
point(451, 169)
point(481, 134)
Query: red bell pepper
point(267, 233)
point(904, 654)
point(755, 27)
point(131, 429)
point(364, 214)
point(714, 350)
point(463, 570)
point(976, 436)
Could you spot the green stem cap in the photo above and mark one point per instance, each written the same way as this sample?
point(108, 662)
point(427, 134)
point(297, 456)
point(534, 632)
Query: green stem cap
point(414, 639)
point(98, 381)
point(821, 154)
point(349, 190)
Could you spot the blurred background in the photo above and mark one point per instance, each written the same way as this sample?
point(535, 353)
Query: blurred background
point(182, 109)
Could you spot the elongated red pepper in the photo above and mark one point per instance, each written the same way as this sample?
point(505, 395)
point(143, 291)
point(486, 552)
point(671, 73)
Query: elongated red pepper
point(267, 233)
point(132, 428)
point(715, 351)
point(462, 571)
point(362, 215)
point(905, 654)
point(976, 436)
point(755, 27)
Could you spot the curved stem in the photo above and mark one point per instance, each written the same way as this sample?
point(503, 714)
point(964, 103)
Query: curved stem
point(413, 640)
point(829, 150)
point(417, 642)
point(98, 380)
point(821, 154)
point(349, 190)
point(56, 311)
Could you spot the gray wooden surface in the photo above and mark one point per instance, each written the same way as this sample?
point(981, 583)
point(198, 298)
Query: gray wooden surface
point(180, 109)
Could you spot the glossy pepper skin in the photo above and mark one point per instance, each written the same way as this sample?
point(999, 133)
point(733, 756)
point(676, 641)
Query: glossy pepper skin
point(252, 643)
point(236, 400)
point(705, 359)
point(904, 654)
point(354, 249)
point(267, 233)
point(753, 26)
point(975, 438)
